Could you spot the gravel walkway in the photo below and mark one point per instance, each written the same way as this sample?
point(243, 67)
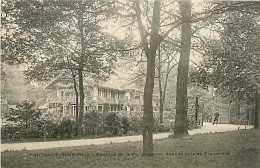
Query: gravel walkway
point(207, 128)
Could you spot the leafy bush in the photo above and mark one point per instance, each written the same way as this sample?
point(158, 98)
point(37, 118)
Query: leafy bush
point(192, 124)
point(126, 124)
point(135, 124)
point(162, 127)
point(51, 129)
point(10, 132)
point(93, 123)
point(113, 124)
point(67, 128)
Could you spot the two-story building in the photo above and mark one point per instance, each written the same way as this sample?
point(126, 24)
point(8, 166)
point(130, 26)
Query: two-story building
point(109, 96)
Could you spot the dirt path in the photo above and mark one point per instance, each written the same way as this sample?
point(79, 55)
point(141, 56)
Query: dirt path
point(207, 128)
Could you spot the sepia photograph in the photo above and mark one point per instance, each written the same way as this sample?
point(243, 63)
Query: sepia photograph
point(130, 83)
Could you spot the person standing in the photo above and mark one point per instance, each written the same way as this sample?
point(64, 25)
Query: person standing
point(216, 115)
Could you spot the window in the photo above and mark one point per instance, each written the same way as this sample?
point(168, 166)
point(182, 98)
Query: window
point(100, 108)
point(112, 94)
point(116, 95)
point(109, 94)
point(50, 105)
point(99, 92)
point(118, 108)
point(122, 95)
point(61, 94)
point(105, 93)
point(137, 97)
point(122, 107)
point(63, 110)
point(74, 110)
point(86, 108)
point(132, 96)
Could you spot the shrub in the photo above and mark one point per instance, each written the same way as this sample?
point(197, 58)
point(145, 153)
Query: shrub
point(135, 124)
point(10, 132)
point(126, 124)
point(51, 129)
point(93, 123)
point(67, 128)
point(192, 124)
point(113, 124)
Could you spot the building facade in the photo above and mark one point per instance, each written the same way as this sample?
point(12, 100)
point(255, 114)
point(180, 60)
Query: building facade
point(109, 96)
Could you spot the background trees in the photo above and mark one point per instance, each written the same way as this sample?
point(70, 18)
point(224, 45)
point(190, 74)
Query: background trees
point(165, 64)
point(231, 63)
point(70, 37)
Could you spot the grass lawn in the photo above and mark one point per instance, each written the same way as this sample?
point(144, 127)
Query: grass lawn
point(237, 149)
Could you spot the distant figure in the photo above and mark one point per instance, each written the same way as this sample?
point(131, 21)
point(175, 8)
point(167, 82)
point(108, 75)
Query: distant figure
point(216, 118)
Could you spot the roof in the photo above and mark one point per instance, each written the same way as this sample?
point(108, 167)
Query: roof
point(111, 84)
point(65, 81)
point(62, 77)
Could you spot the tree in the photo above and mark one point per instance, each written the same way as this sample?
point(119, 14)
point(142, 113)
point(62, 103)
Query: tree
point(164, 66)
point(180, 127)
point(158, 25)
point(25, 115)
point(150, 52)
point(15, 87)
point(231, 63)
point(71, 38)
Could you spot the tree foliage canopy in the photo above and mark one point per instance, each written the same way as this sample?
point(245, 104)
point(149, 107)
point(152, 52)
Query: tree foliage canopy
point(231, 64)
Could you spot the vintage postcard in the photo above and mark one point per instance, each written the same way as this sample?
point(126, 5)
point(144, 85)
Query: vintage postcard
point(130, 83)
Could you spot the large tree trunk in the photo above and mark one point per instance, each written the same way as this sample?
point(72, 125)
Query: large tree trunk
point(77, 95)
point(81, 102)
point(149, 84)
point(77, 104)
point(160, 88)
point(148, 108)
point(196, 108)
point(180, 127)
point(80, 71)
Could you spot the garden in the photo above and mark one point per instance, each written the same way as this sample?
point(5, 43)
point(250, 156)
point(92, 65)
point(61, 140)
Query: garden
point(27, 124)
